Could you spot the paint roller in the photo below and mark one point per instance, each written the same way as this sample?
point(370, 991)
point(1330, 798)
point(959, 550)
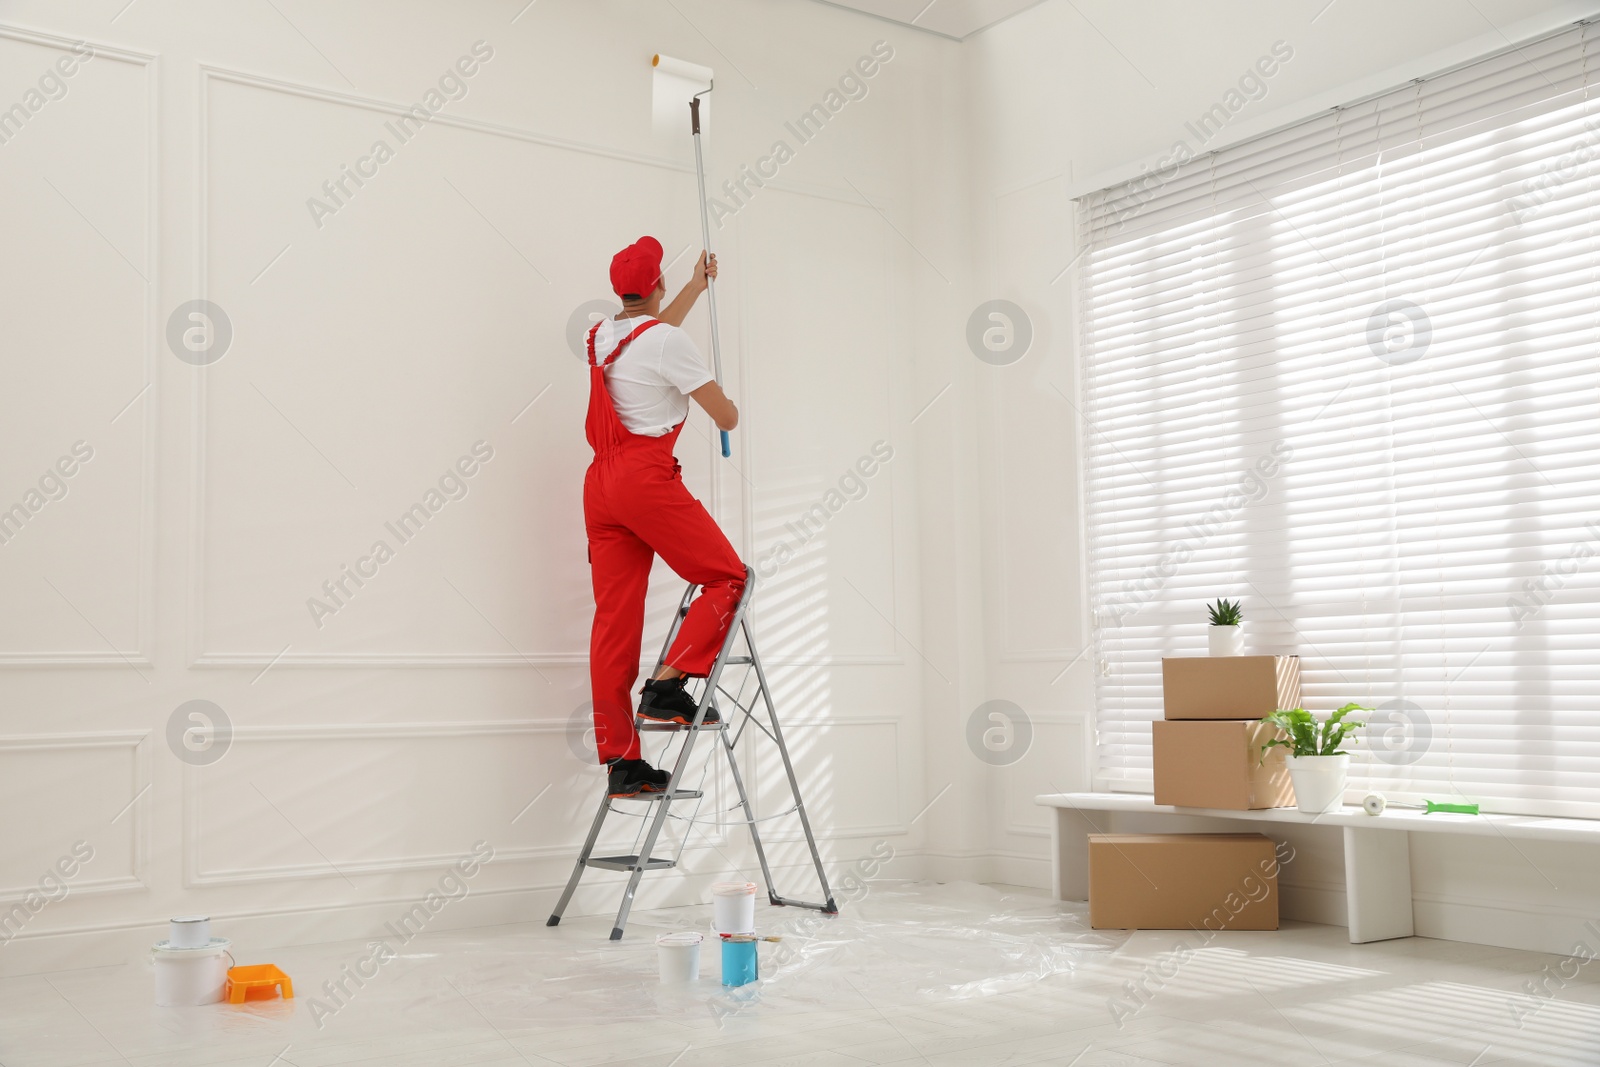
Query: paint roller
point(682, 69)
point(1375, 803)
point(678, 72)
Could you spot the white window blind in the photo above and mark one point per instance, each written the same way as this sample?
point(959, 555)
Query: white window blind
point(1348, 374)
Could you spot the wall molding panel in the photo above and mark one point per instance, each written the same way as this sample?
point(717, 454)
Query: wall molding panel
point(196, 874)
point(132, 821)
point(147, 399)
point(1018, 796)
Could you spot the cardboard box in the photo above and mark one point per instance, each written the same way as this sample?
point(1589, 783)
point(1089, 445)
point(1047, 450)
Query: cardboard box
point(1218, 763)
point(1229, 687)
point(1183, 881)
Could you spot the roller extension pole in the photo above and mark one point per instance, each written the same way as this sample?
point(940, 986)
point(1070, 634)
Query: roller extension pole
point(705, 239)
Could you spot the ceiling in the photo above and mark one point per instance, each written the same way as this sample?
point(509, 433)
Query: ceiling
point(949, 18)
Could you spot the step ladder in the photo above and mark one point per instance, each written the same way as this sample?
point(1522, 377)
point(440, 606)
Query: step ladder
point(742, 714)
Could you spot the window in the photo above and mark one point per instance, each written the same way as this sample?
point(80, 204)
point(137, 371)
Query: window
point(1348, 373)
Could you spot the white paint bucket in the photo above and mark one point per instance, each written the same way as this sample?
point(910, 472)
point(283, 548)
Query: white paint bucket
point(189, 976)
point(189, 931)
point(733, 907)
point(678, 957)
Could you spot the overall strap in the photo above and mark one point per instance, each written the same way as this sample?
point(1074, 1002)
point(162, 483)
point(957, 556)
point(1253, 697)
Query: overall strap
point(625, 342)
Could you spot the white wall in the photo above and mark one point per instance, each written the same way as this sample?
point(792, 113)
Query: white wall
point(370, 352)
point(1067, 98)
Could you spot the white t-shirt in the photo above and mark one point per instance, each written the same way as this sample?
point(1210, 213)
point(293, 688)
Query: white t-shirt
point(650, 382)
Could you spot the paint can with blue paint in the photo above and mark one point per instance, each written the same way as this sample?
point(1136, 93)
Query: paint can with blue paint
point(740, 964)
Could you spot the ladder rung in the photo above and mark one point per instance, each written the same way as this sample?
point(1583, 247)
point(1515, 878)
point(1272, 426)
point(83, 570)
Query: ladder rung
point(647, 725)
point(627, 863)
point(682, 794)
point(739, 659)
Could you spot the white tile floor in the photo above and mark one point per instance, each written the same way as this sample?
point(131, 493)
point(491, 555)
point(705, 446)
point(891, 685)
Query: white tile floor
point(954, 976)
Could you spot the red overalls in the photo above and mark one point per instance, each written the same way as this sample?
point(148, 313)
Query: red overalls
point(635, 507)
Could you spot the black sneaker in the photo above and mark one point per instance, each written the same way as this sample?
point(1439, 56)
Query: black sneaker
point(630, 777)
point(666, 700)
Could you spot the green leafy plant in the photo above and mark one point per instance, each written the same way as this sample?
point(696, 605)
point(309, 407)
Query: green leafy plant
point(1225, 613)
point(1307, 736)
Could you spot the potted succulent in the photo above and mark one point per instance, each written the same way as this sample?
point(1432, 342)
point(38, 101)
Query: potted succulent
point(1224, 636)
point(1317, 764)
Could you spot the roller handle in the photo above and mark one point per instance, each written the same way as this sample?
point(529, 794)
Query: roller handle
point(705, 238)
point(1454, 809)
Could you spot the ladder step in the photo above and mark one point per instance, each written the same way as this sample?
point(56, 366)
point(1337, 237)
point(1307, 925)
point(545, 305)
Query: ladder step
point(626, 863)
point(682, 794)
point(739, 659)
point(650, 726)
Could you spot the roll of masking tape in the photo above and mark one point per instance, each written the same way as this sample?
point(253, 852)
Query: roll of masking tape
point(1374, 804)
point(189, 931)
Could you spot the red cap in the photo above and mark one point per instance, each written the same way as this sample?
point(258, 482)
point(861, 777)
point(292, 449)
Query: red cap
point(636, 269)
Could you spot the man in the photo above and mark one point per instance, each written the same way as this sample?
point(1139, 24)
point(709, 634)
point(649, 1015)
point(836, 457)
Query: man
point(643, 371)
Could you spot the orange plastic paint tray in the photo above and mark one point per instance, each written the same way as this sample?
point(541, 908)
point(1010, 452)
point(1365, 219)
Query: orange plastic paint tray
point(258, 981)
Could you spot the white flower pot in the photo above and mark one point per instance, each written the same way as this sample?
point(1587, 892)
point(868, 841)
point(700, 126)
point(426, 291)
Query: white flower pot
point(1318, 782)
point(1225, 640)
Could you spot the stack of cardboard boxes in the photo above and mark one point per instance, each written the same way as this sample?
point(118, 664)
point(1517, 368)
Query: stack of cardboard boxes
point(1207, 753)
